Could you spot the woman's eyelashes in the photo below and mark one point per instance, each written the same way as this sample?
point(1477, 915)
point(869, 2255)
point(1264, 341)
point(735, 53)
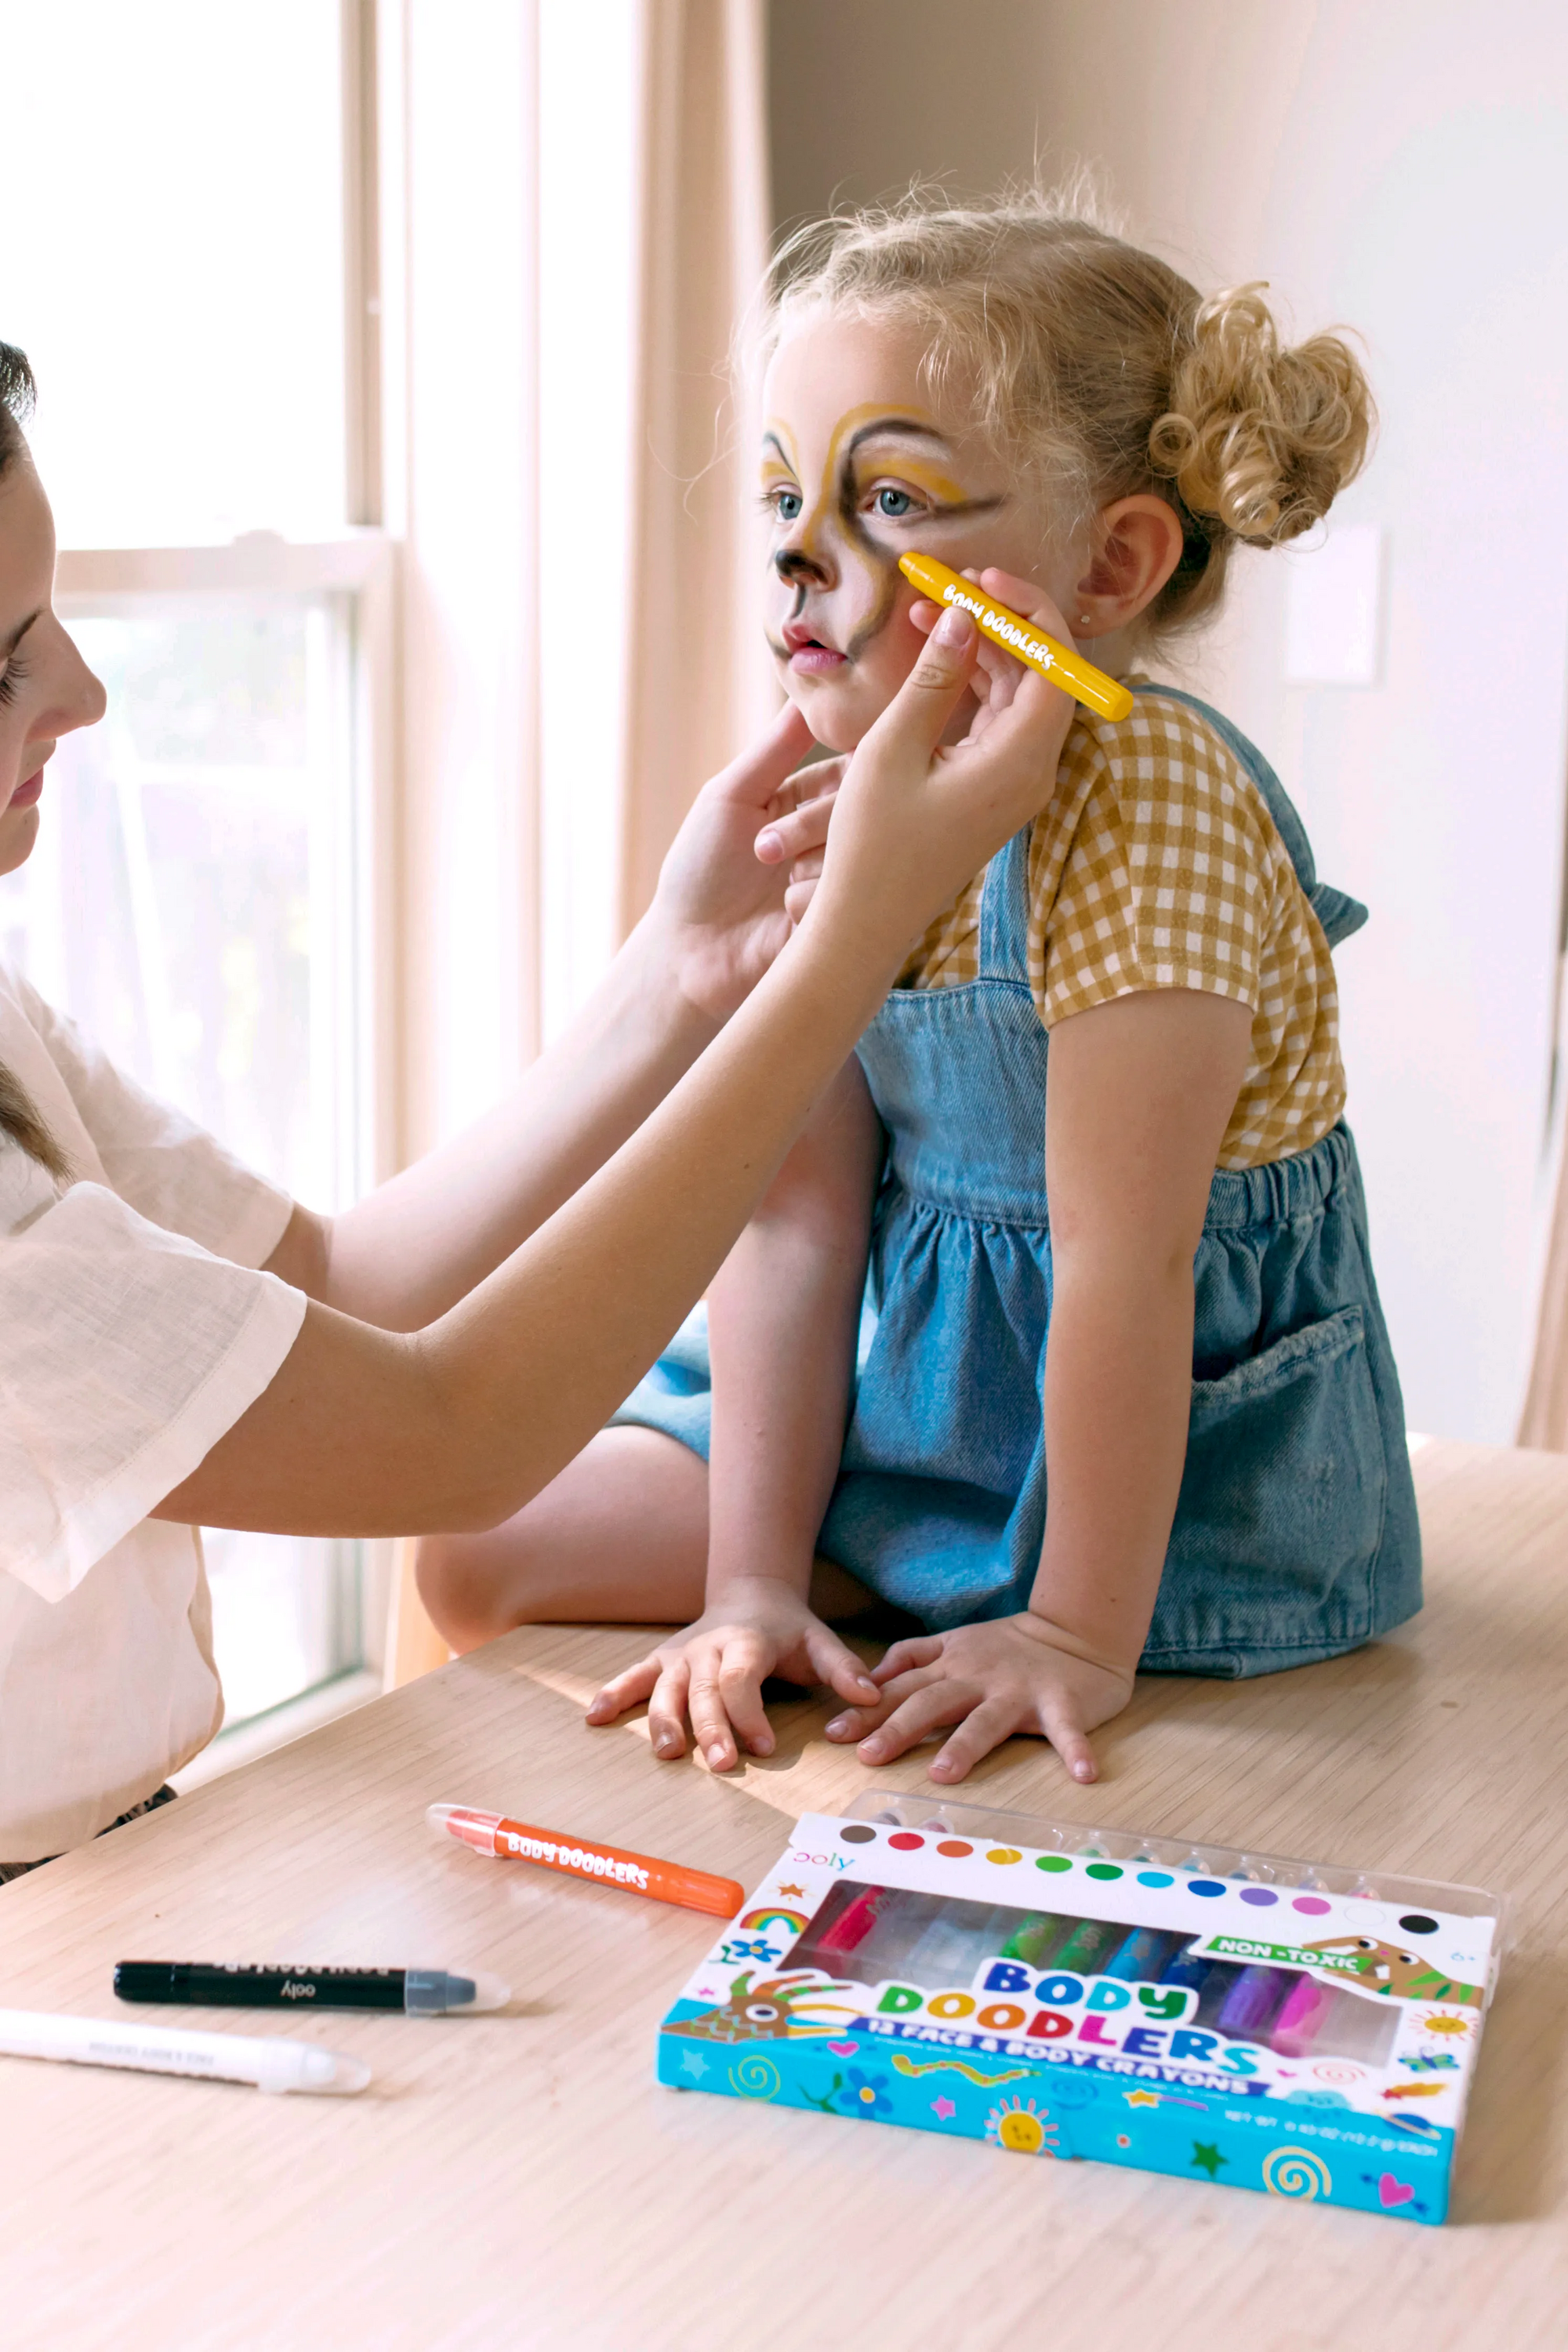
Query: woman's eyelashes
point(11, 677)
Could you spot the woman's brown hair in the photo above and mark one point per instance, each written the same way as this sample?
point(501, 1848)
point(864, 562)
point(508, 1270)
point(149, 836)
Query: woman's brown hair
point(19, 1114)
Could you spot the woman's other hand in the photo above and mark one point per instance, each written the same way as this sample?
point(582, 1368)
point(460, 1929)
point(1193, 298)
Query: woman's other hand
point(720, 906)
point(984, 1683)
point(711, 1675)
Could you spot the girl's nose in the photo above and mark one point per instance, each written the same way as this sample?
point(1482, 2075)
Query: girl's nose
point(802, 565)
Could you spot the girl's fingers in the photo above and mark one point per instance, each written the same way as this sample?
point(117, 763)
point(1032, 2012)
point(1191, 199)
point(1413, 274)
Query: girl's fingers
point(741, 1672)
point(711, 1729)
point(666, 1709)
point(1062, 1727)
point(835, 1664)
point(918, 1650)
point(856, 1722)
point(623, 1691)
point(986, 1727)
point(939, 1703)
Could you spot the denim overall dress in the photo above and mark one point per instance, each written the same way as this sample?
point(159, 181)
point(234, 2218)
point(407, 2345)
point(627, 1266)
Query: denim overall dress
point(1295, 1534)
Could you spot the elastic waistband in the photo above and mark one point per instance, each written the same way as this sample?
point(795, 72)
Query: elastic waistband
point(1298, 1186)
point(1283, 1189)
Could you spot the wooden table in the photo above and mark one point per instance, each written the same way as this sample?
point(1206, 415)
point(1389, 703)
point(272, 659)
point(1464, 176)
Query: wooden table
point(521, 2181)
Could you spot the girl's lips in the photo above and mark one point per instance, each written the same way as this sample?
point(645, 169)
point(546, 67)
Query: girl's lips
point(26, 794)
point(813, 661)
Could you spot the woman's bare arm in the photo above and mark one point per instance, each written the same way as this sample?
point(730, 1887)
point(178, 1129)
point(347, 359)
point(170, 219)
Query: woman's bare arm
point(458, 1424)
point(412, 1248)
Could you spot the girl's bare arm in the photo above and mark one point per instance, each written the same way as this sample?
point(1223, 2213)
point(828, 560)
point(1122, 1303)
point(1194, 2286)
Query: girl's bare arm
point(784, 1313)
point(1141, 1090)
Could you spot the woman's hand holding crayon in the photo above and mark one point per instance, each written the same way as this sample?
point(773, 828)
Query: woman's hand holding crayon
point(987, 1680)
point(1029, 744)
point(711, 1675)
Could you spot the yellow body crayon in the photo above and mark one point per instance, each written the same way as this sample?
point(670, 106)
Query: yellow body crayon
point(1069, 670)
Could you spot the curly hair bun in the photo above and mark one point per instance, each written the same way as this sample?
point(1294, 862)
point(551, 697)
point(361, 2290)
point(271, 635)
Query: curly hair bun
point(1260, 437)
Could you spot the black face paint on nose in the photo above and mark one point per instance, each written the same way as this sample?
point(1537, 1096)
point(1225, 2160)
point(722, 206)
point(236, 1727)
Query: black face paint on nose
point(793, 565)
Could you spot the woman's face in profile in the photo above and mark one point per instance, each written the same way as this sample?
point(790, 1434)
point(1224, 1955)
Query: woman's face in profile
point(46, 688)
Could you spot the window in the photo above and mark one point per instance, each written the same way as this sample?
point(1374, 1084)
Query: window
point(200, 895)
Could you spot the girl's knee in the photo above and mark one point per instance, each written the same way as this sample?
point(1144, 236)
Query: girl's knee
point(471, 1587)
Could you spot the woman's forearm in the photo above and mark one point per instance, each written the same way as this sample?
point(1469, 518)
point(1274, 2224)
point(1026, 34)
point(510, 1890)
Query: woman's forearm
point(369, 1432)
point(1118, 1391)
point(455, 1426)
point(406, 1253)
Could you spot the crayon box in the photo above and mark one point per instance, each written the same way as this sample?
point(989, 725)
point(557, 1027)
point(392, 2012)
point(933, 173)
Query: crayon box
point(1287, 2026)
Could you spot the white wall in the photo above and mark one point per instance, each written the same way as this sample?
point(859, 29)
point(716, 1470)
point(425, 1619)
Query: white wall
point(1402, 168)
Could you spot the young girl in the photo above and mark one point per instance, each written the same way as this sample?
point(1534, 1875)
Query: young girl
point(1124, 1395)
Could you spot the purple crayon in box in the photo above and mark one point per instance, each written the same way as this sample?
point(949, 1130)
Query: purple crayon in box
point(1287, 2026)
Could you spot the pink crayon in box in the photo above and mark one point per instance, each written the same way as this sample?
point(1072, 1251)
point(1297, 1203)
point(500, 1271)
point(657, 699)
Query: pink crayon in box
point(1286, 2026)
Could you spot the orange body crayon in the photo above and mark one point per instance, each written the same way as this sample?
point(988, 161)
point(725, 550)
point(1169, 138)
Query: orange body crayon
point(1005, 628)
point(665, 1882)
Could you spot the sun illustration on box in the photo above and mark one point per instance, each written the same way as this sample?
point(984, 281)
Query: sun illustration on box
point(1020, 2125)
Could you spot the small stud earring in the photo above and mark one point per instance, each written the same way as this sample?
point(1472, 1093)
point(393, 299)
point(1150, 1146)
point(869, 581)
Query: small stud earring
point(1083, 620)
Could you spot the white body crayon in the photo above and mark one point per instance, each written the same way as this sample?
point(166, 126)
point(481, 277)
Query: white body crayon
point(269, 2062)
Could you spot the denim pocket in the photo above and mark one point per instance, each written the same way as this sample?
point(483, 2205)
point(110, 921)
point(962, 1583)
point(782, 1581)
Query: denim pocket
point(1281, 1509)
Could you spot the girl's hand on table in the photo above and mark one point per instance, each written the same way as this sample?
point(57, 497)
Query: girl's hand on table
point(1009, 1675)
point(713, 1674)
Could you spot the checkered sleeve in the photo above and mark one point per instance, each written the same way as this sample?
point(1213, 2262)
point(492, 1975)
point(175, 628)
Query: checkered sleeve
point(1168, 878)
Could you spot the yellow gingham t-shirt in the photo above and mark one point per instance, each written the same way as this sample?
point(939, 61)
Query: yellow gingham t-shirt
point(1157, 865)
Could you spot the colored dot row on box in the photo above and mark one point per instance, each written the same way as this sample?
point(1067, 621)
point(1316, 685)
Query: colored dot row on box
point(959, 1849)
point(1415, 1922)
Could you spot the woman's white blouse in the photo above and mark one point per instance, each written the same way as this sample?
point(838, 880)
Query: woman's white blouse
point(135, 1329)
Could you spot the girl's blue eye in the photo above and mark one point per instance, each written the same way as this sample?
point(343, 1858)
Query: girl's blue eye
point(787, 505)
point(893, 503)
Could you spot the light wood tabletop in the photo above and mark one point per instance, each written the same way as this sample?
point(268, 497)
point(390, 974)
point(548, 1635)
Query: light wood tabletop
point(520, 2180)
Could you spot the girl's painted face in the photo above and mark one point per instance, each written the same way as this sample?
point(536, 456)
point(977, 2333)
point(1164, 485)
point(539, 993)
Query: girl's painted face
point(858, 469)
point(46, 688)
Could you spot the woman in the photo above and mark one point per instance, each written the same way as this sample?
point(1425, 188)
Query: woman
point(185, 1346)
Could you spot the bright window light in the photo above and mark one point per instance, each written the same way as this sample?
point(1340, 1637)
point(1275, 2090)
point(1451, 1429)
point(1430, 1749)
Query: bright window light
point(192, 904)
point(173, 264)
point(588, 167)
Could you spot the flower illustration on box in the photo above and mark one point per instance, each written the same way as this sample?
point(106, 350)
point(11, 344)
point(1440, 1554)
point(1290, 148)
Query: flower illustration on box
point(865, 2095)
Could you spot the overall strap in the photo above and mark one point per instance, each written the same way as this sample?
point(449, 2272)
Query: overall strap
point(1004, 911)
point(1336, 911)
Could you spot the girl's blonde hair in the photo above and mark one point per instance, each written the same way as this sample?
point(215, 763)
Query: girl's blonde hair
point(1098, 367)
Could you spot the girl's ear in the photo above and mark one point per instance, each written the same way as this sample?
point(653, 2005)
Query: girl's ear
point(1137, 546)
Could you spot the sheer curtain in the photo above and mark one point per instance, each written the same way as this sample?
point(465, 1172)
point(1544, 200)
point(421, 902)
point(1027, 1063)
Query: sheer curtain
point(618, 430)
point(698, 675)
point(1545, 1419)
